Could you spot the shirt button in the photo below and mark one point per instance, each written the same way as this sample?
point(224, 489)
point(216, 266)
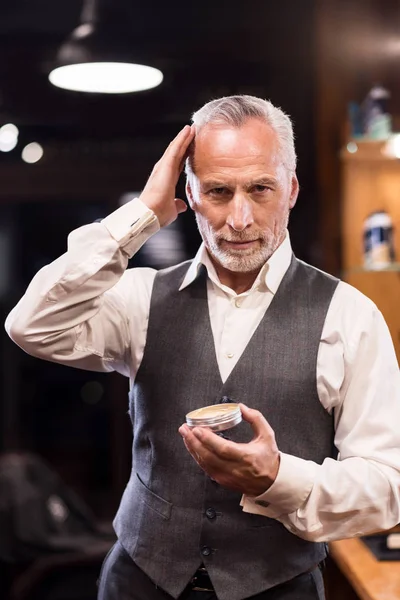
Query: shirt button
point(206, 551)
point(229, 355)
point(238, 302)
point(210, 513)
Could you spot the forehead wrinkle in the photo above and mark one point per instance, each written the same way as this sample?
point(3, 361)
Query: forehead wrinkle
point(203, 162)
point(227, 162)
point(225, 165)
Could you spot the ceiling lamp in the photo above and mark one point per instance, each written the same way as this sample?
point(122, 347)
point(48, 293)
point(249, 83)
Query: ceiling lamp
point(97, 56)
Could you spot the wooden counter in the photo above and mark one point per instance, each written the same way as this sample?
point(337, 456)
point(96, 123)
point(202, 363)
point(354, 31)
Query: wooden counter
point(369, 578)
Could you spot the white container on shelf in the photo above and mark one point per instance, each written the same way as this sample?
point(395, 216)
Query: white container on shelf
point(378, 241)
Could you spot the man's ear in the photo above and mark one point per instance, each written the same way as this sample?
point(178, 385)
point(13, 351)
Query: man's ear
point(189, 194)
point(294, 191)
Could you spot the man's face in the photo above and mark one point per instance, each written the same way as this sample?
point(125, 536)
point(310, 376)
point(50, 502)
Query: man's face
point(241, 193)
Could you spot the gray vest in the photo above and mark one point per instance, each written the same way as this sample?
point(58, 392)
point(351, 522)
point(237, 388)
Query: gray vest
point(172, 516)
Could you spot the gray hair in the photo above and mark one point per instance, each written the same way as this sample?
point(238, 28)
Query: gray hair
point(236, 110)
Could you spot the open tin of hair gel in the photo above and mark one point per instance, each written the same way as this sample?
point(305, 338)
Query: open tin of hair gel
point(216, 417)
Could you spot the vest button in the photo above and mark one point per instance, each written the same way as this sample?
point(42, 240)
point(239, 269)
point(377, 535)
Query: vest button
point(210, 513)
point(225, 400)
point(206, 551)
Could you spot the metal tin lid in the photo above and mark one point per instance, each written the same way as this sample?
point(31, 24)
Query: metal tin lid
point(216, 416)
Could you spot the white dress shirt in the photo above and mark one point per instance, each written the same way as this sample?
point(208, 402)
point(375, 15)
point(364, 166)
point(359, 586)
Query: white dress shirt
point(87, 310)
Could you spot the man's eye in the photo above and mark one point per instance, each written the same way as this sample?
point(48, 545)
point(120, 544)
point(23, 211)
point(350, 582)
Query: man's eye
point(259, 189)
point(218, 191)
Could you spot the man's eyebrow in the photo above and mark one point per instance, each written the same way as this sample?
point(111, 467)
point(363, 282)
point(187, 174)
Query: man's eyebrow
point(211, 183)
point(263, 180)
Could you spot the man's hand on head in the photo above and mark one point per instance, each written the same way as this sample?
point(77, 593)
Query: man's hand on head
point(159, 192)
point(248, 468)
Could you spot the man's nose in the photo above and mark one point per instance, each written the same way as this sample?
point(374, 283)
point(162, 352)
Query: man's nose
point(240, 214)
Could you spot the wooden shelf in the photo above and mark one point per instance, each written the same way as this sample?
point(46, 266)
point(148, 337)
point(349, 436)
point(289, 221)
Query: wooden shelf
point(371, 182)
point(367, 151)
point(393, 267)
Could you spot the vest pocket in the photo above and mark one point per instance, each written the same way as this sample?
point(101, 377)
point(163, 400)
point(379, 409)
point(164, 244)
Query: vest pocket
point(150, 499)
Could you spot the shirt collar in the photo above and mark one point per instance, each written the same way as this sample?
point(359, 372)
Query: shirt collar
point(270, 275)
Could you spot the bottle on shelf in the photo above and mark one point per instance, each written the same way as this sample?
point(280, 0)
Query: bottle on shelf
point(378, 241)
point(377, 122)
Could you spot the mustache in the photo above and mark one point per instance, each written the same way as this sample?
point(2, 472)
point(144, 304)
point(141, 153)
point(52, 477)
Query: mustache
point(240, 236)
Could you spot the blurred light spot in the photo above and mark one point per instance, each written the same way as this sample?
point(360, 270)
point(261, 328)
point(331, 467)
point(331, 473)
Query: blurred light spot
point(92, 392)
point(57, 508)
point(9, 129)
point(7, 146)
point(83, 30)
point(8, 132)
point(352, 147)
point(392, 45)
point(392, 146)
point(32, 153)
point(8, 137)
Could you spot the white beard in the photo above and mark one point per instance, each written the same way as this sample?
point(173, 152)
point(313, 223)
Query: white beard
point(239, 261)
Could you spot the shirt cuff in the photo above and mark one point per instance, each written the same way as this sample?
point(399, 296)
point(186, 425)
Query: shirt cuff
point(289, 491)
point(129, 220)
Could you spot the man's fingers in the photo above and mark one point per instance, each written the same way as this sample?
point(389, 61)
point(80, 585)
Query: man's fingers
point(177, 149)
point(193, 445)
point(197, 440)
point(180, 147)
point(258, 422)
point(214, 445)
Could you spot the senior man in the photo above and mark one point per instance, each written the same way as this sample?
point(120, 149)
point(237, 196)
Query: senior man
point(317, 456)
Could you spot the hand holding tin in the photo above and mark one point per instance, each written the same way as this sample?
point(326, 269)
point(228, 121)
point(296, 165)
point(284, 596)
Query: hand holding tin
point(248, 468)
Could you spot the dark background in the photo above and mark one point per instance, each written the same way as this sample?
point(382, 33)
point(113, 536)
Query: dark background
point(309, 57)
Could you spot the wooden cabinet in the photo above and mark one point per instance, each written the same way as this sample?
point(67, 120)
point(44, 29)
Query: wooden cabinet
point(371, 182)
